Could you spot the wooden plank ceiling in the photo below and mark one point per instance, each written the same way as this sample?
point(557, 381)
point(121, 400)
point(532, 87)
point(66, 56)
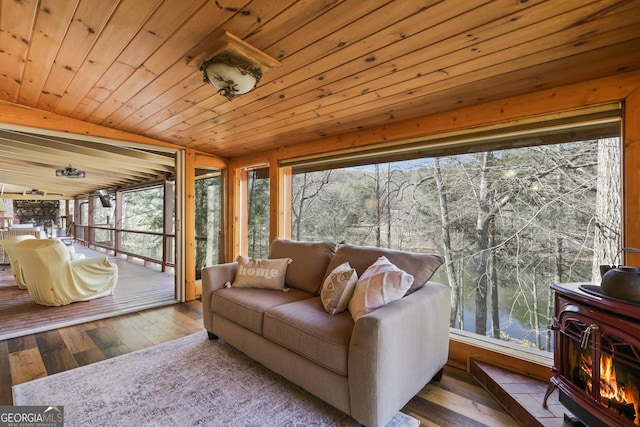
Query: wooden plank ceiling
point(346, 65)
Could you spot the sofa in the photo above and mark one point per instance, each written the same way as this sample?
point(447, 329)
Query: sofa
point(368, 366)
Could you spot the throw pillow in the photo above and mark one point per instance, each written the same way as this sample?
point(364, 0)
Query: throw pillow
point(261, 273)
point(421, 266)
point(380, 284)
point(338, 288)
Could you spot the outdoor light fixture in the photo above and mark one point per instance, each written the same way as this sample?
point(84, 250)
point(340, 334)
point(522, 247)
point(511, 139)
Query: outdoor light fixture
point(70, 172)
point(231, 65)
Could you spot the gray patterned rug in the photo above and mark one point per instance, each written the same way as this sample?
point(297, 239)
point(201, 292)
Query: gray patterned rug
point(190, 381)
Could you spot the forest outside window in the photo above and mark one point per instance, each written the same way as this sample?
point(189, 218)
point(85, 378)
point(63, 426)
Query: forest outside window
point(208, 218)
point(257, 215)
point(509, 221)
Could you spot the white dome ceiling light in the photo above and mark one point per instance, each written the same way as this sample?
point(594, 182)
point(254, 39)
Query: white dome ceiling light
point(231, 65)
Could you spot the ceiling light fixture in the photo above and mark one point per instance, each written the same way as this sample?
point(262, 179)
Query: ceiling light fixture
point(231, 75)
point(70, 172)
point(231, 65)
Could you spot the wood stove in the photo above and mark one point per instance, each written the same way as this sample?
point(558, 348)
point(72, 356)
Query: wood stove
point(596, 355)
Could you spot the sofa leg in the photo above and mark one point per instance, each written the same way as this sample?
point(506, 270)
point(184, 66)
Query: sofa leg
point(212, 336)
point(438, 375)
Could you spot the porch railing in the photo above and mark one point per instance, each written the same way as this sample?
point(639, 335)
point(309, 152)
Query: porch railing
point(150, 246)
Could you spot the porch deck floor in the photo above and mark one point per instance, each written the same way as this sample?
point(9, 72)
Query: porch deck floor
point(138, 287)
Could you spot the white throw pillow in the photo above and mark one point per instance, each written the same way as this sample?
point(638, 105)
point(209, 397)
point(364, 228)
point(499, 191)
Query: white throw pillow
point(338, 288)
point(261, 273)
point(380, 284)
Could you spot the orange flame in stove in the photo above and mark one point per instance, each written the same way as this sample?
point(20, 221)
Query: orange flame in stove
point(609, 387)
point(610, 390)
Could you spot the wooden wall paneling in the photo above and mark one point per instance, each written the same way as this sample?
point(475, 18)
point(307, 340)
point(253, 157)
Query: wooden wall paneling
point(279, 201)
point(148, 86)
point(453, 68)
point(166, 19)
point(392, 81)
point(356, 103)
point(173, 115)
point(17, 19)
point(543, 102)
point(49, 31)
point(186, 37)
point(486, 91)
point(170, 76)
point(345, 62)
point(538, 78)
point(89, 20)
point(425, 52)
point(333, 52)
point(168, 105)
point(29, 117)
point(461, 351)
point(329, 50)
point(128, 14)
point(325, 43)
point(292, 17)
point(631, 175)
point(210, 162)
point(175, 33)
point(233, 213)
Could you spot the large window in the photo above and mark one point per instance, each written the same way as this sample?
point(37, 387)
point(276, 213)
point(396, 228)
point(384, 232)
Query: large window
point(509, 222)
point(208, 225)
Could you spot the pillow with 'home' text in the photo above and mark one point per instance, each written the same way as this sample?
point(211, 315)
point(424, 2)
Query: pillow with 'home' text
point(261, 273)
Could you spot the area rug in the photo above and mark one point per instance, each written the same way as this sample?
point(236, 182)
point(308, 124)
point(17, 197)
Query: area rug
point(191, 381)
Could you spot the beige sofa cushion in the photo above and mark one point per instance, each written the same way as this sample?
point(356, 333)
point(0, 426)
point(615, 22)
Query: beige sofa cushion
point(420, 266)
point(305, 328)
point(246, 306)
point(310, 260)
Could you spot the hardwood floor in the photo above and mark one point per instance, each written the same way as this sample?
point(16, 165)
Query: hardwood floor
point(457, 400)
point(138, 287)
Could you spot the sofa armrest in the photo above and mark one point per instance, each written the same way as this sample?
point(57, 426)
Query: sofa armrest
point(395, 351)
point(213, 278)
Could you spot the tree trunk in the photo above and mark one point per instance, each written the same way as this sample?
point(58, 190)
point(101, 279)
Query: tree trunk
point(607, 240)
point(446, 242)
point(250, 201)
point(536, 321)
point(298, 217)
point(482, 243)
point(495, 306)
point(557, 278)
